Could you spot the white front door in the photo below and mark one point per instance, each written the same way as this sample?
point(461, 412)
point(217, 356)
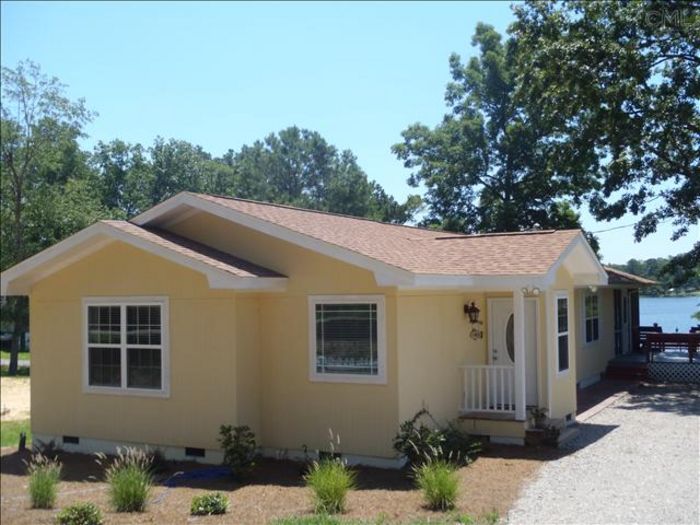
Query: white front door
point(502, 344)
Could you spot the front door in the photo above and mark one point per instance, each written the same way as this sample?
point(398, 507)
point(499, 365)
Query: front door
point(502, 341)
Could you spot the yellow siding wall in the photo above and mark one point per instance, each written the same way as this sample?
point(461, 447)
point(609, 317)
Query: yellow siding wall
point(293, 410)
point(592, 358)
point(202, 363)
point(433, 340)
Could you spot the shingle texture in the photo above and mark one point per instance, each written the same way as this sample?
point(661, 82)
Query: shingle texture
point(194, 250)
point(619, 277)
point(417, 250)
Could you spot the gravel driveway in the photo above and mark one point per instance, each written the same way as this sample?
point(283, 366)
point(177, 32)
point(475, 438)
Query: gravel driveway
point(637, 461)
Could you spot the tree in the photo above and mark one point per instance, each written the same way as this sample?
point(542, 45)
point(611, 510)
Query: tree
point(39, 129)
point(619, 82)
point(126, 177)
point(298, 167)
point(487, 166)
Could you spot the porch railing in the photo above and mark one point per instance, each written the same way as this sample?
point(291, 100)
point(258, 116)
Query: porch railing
point(488, 388)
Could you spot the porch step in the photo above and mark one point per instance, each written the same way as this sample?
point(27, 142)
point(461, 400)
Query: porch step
point(567, 434)
point(626, 371)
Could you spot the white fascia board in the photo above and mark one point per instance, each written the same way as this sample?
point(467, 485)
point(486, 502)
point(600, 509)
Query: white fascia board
point(101, 234)
point(385, 274)
point(492, 283)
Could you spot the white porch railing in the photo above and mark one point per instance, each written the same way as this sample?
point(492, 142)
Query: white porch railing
point(488, 388)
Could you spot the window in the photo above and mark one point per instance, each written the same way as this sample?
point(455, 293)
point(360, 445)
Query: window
point(590, 317)
point(126, 345)
point(347, 337)
point(563, 332)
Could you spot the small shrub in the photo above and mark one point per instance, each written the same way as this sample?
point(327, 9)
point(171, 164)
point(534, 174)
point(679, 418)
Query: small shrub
point(491, 518)
point(238, 444)
point(438, 481)
point(129, 477)
point(330, 480)
point(209, 504)
point(421, 439)
point(44, 474)
point(156, 457)
point(80, 514)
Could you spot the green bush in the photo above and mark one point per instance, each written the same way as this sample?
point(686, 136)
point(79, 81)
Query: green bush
point(238, 444)
point(421, 439)
point(438, 481)
point(44, 474)
point(80, 514)
point(330, 480)
point(129, 477)
point(208, 504)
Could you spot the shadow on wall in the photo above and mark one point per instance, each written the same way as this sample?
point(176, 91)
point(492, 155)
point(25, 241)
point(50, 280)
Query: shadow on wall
point(683, 400)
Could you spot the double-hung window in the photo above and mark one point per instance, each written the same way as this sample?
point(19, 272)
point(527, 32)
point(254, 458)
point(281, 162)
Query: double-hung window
point(347, 339)
point(590, 317)
point(126, 345)
point(562, 309)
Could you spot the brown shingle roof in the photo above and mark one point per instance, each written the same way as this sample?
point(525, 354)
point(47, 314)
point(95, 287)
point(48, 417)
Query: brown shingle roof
point(616, 276)
point(417, 250)
point(194, 250)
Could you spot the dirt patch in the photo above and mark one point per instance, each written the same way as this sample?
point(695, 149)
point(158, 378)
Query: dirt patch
point(14, 394)
point(276, 490)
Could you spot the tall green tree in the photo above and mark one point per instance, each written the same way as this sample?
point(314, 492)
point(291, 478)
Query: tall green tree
point(619, 82)
point(487, 166)
point(42, 173)
point(298, 167)
point(126, 177)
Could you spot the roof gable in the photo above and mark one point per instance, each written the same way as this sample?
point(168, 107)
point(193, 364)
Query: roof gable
point(221, 269)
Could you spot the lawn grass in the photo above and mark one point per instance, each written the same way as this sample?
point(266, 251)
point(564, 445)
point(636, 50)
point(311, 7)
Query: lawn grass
point(22, 356)
point(10, 430)
point(22, 371)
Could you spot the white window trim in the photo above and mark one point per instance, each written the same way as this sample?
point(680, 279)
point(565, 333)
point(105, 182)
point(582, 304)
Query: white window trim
point(557, 333)
point(165, 347)
point(380, 378)
point(584, 318)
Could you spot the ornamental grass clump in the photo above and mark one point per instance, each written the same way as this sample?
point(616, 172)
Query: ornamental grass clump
point(44, 474)
point(209, 504)
point(330, 479)
point(438, 481)
point(129, 477)
point(80, 514)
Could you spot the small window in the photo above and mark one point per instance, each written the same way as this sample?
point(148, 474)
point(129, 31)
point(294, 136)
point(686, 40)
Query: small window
point(590, 316)
point(347, 338)
point(125, 345)
point(563, 333)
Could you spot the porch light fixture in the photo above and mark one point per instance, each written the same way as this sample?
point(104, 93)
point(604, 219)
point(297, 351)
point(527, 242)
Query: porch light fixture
point(472, 311)
point(530, 292)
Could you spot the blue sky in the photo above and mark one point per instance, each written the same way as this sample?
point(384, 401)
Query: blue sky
point(225, 74)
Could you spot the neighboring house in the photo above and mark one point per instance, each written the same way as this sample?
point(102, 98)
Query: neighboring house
point(208, 310)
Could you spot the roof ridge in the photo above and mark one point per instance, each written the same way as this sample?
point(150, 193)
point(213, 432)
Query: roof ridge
point(332, 214)
point(449, 234)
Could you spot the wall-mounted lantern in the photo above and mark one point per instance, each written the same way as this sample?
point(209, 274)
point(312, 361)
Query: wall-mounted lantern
point(472, 311)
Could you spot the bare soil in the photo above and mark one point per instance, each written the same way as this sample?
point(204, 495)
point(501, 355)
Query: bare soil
point(275, 490)
point(14, 398)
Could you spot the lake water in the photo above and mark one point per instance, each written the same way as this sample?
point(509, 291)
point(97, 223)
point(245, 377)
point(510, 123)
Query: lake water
point(669, 312)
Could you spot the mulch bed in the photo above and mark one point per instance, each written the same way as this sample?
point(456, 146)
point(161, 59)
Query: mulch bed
point(275, 490)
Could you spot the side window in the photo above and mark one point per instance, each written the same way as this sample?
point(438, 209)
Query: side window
point(562, 332)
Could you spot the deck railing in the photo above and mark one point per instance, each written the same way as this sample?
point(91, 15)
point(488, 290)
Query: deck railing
point(488, 388)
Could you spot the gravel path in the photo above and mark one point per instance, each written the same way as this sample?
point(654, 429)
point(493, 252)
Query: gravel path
point(638, 461)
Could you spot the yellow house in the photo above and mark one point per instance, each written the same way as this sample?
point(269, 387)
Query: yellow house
point(207, 310)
